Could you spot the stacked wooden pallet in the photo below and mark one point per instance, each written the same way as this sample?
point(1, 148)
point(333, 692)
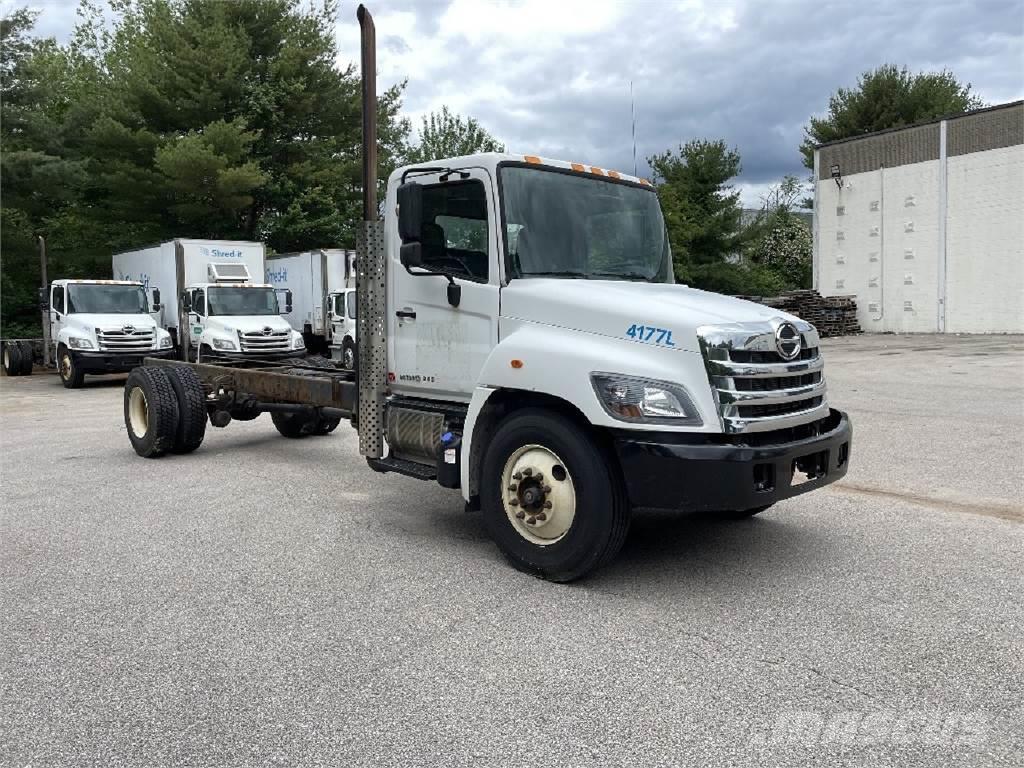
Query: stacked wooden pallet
point(831, 315)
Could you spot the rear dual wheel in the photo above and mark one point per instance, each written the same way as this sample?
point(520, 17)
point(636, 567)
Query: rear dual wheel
point(11, 358)
point(164, 410)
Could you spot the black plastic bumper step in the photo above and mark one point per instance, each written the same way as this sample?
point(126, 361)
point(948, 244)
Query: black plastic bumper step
point(403, 467)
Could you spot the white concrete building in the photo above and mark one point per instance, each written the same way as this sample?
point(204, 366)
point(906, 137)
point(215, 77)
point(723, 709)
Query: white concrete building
point(924, 225)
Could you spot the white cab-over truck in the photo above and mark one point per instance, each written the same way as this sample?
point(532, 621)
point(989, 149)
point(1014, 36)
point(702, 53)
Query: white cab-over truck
point(219, 311)
point(322, 285)
point(102, 326)
point(521, 338)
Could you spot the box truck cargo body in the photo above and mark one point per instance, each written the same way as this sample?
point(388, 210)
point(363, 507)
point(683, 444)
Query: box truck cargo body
point(219, 306)
point(319, 281)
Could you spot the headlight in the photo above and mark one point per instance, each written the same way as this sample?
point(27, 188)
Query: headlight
point(165, 342)
point(224, 344)
point(76, 343)
point(298, 342)
point(628, 398)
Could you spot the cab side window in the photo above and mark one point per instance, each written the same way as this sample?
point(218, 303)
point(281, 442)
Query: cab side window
point(199, 301)
point(454, 229)
point(351, 299)
point(57, 300)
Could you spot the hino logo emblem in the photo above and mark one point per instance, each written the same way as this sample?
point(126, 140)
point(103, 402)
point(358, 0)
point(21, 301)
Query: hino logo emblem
point(788, 341)
point(128, 330)
point(267, 330)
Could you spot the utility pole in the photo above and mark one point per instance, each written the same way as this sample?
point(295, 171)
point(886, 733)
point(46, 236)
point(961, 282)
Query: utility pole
point(632, 111)
point(45, 312)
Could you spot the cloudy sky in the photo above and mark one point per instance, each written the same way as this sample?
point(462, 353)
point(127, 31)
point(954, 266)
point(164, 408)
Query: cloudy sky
point(552, 77)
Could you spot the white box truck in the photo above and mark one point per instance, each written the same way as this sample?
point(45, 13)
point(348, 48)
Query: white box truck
point(322, 282)
point(102, 326)
point(219, 310)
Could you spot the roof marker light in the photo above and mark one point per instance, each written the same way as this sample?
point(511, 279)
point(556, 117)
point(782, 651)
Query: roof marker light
point(597, 171)
point(578, 167)
point(614, 174)
point(532, 159)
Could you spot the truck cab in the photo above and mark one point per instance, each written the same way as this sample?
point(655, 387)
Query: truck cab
point(536, 338)
point(342, 315)
point(232, 319)
point(102, 326)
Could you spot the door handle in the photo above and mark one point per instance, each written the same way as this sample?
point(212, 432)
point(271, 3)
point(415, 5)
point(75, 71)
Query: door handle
point(409, 313)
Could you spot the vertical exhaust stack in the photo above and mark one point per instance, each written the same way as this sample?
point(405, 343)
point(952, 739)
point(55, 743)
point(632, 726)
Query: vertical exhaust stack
point(369, 70)
point(371, 292)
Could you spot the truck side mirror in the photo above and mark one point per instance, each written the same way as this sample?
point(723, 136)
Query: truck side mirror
point(186, 301)
point(410, 211)
point(411, 255)
point(287, 302)
point(44, 299)
point(156, 300)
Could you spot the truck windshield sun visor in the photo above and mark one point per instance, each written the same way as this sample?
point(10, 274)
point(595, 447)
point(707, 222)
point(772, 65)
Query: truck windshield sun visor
point(560, 224)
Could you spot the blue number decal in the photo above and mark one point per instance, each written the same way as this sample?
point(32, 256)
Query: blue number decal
point(648, 334)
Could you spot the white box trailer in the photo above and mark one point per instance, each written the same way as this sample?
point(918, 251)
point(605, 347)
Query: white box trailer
point(319, 280)
point(218, 306)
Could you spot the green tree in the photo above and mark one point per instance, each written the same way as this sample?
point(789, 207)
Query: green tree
point(447, 134)
point(181, 118)
point(887, 97)
point(779, 243)
point(701, 208)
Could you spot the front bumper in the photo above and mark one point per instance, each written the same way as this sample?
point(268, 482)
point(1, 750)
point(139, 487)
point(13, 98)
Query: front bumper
point(115, 362)
point(693, 472)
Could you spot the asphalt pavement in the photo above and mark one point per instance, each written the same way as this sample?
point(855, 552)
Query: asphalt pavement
point(274, 602)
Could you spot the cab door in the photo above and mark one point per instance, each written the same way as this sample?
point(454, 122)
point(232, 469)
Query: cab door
point(197, 316)
point(336, 317)
point(57, 310)
point(436, 349)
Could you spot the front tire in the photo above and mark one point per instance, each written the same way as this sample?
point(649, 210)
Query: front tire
point(71, 375)
point(151, 413)
point(348, 354)
point(552, 497)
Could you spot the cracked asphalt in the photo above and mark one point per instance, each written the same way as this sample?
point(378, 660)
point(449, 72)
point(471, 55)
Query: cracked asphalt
point(274, 602)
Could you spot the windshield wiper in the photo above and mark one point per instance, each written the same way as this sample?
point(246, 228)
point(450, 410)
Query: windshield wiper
point(554, 273)
point(625, 275)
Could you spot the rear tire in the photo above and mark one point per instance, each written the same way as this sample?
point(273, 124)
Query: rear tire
point(71, 375)
point(12, 358)
point(576, 473)
point(191, 409)
point(294, 425)
point(26, 358)
point(150, 411)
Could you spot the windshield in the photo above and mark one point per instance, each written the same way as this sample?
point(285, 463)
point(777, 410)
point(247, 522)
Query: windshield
point(222, 300)
point(566, 225)
point(95, 298)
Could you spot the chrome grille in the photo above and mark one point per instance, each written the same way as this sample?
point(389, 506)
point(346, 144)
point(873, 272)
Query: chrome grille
point(125, 339)
point(258, 341)
point(755, 387)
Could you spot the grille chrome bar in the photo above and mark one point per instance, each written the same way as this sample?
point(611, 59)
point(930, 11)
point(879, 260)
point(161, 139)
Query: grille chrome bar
point(257, 341)
point(117, 340)
point(773, 392)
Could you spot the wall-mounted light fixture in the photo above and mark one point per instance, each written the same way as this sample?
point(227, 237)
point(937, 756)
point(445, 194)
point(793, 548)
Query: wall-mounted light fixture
point(837, 175)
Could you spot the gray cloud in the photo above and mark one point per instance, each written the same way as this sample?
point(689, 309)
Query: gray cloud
point(556, 82)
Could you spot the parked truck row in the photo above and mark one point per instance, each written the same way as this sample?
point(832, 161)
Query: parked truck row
point(521, 338)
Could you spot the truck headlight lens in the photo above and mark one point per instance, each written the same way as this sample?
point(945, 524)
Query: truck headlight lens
point(224, 344)
point(165, 342)
point(298, 342)
point(628, 398)
point(76, 343)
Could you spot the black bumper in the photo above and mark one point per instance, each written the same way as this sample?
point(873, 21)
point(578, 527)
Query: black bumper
point(115, 362)
point(705, 473)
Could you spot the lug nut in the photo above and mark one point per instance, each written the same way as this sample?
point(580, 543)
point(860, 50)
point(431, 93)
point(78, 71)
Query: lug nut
point(539, 476)
point(531, 521)
point(513, 487)
point(542, 517)
point(517, 476)
point(547, 489)
point(520, 515)
point(547, 505)
point(513, 502)
point(527, 472)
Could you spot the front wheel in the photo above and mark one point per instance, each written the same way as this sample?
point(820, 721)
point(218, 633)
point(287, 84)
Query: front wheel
point(551, 496)
point(348, 354)
point(71, 375)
